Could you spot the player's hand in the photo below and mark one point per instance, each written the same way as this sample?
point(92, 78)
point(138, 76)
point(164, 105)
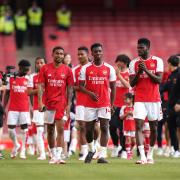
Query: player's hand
point(117, 69)
point(94, 96)
point(112, 110)
point(142, 66)
point(41, 107)
point(177, 107)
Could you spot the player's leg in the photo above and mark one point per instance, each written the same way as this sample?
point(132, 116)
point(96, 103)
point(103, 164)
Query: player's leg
point(82, 140)
point(38, 119)
point(96, 139)
point(51, 142)
point(104, 126)
point(128, 145)
point(12, 121)
point(90, 140)
point(153, 136)
point(60, 139)
point(159, 137)
point(140, 114)
point(113, 125)
point(24, 121)
point(24, 131)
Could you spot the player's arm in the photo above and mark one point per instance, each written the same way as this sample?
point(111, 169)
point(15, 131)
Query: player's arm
point(6, 98)
point(32, 91)
point(123, 81)
point(40, 95)
point(69, 95)
point(113, 92)
point(89, 93)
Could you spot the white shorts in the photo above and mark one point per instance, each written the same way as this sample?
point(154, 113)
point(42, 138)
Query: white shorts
point(18, 118)
point(151, 110)
point(38, 117)
point(95, 113)
point(80, 113)
point(129, 133)
point(66, 135)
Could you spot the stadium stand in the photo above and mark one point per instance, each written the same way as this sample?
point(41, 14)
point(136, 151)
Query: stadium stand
point(7, 52)
point(117, 33)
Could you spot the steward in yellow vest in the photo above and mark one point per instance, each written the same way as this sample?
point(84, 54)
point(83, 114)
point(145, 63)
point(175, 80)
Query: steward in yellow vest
point(8, 23)
point(35, 22)
point(21, 28)
point(63, 16)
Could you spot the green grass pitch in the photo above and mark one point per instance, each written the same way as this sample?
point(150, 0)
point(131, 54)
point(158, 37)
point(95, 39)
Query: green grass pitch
point(32, 169)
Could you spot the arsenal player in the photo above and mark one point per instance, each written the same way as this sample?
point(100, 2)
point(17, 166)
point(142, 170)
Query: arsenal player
point(56, 80)
point(97, 80)
point(18, 112)
point(145, 75)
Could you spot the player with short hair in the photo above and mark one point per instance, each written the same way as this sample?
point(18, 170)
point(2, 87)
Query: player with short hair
point(97, 80)
point(56, 80)
point(80, 99)
point(122, 87)
point(146, 75)
point(18, 111)
point(38, 117)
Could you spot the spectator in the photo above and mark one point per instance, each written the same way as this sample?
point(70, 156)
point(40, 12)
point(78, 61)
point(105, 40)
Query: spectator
point(35, 23)
point(63, 18)
point(21, 27)
point(172, 88)
point(8, 23)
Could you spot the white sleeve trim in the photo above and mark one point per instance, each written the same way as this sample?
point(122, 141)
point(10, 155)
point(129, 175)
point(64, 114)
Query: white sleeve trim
point(132, 67)
point(121, 113)
point(160, 64)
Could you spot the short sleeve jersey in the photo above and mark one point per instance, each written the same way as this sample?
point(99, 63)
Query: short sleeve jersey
point(19, 99)
point(35, 77)
point(97, 79)
point(56, 81)
point(80, 97)
point(146, 90)
point(121, 90)
point(128, 122)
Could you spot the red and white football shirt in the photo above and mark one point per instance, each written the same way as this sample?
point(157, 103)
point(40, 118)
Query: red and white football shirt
point(97, 80)
point(56, 81)
point(19, 99)
point(80, 97)
point(128, 122)
point(121, 90)
point(35, 78)
point(146, 90)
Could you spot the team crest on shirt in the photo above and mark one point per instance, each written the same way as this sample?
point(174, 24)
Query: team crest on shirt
point(104, 72)
point(62, 75)
point(91, 72)
point(49, 75)
point(25, 82)
point(14, 82)
point(152, 65)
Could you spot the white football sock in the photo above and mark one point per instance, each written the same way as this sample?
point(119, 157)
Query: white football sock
point(13, 136)
point(24, 138)
point(150, 153)
point(142, 152)
point(84, 149)
point(40, 141)
point(102, 152)
point(58, 152)
point(91, 146)
point(53, 151)
point(73, 145)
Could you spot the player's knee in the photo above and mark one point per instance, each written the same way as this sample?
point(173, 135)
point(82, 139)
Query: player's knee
point(104, 129)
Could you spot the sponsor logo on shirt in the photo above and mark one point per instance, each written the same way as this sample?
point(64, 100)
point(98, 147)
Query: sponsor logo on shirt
point(55, 83)
point(97, 80)
point(19, 89)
